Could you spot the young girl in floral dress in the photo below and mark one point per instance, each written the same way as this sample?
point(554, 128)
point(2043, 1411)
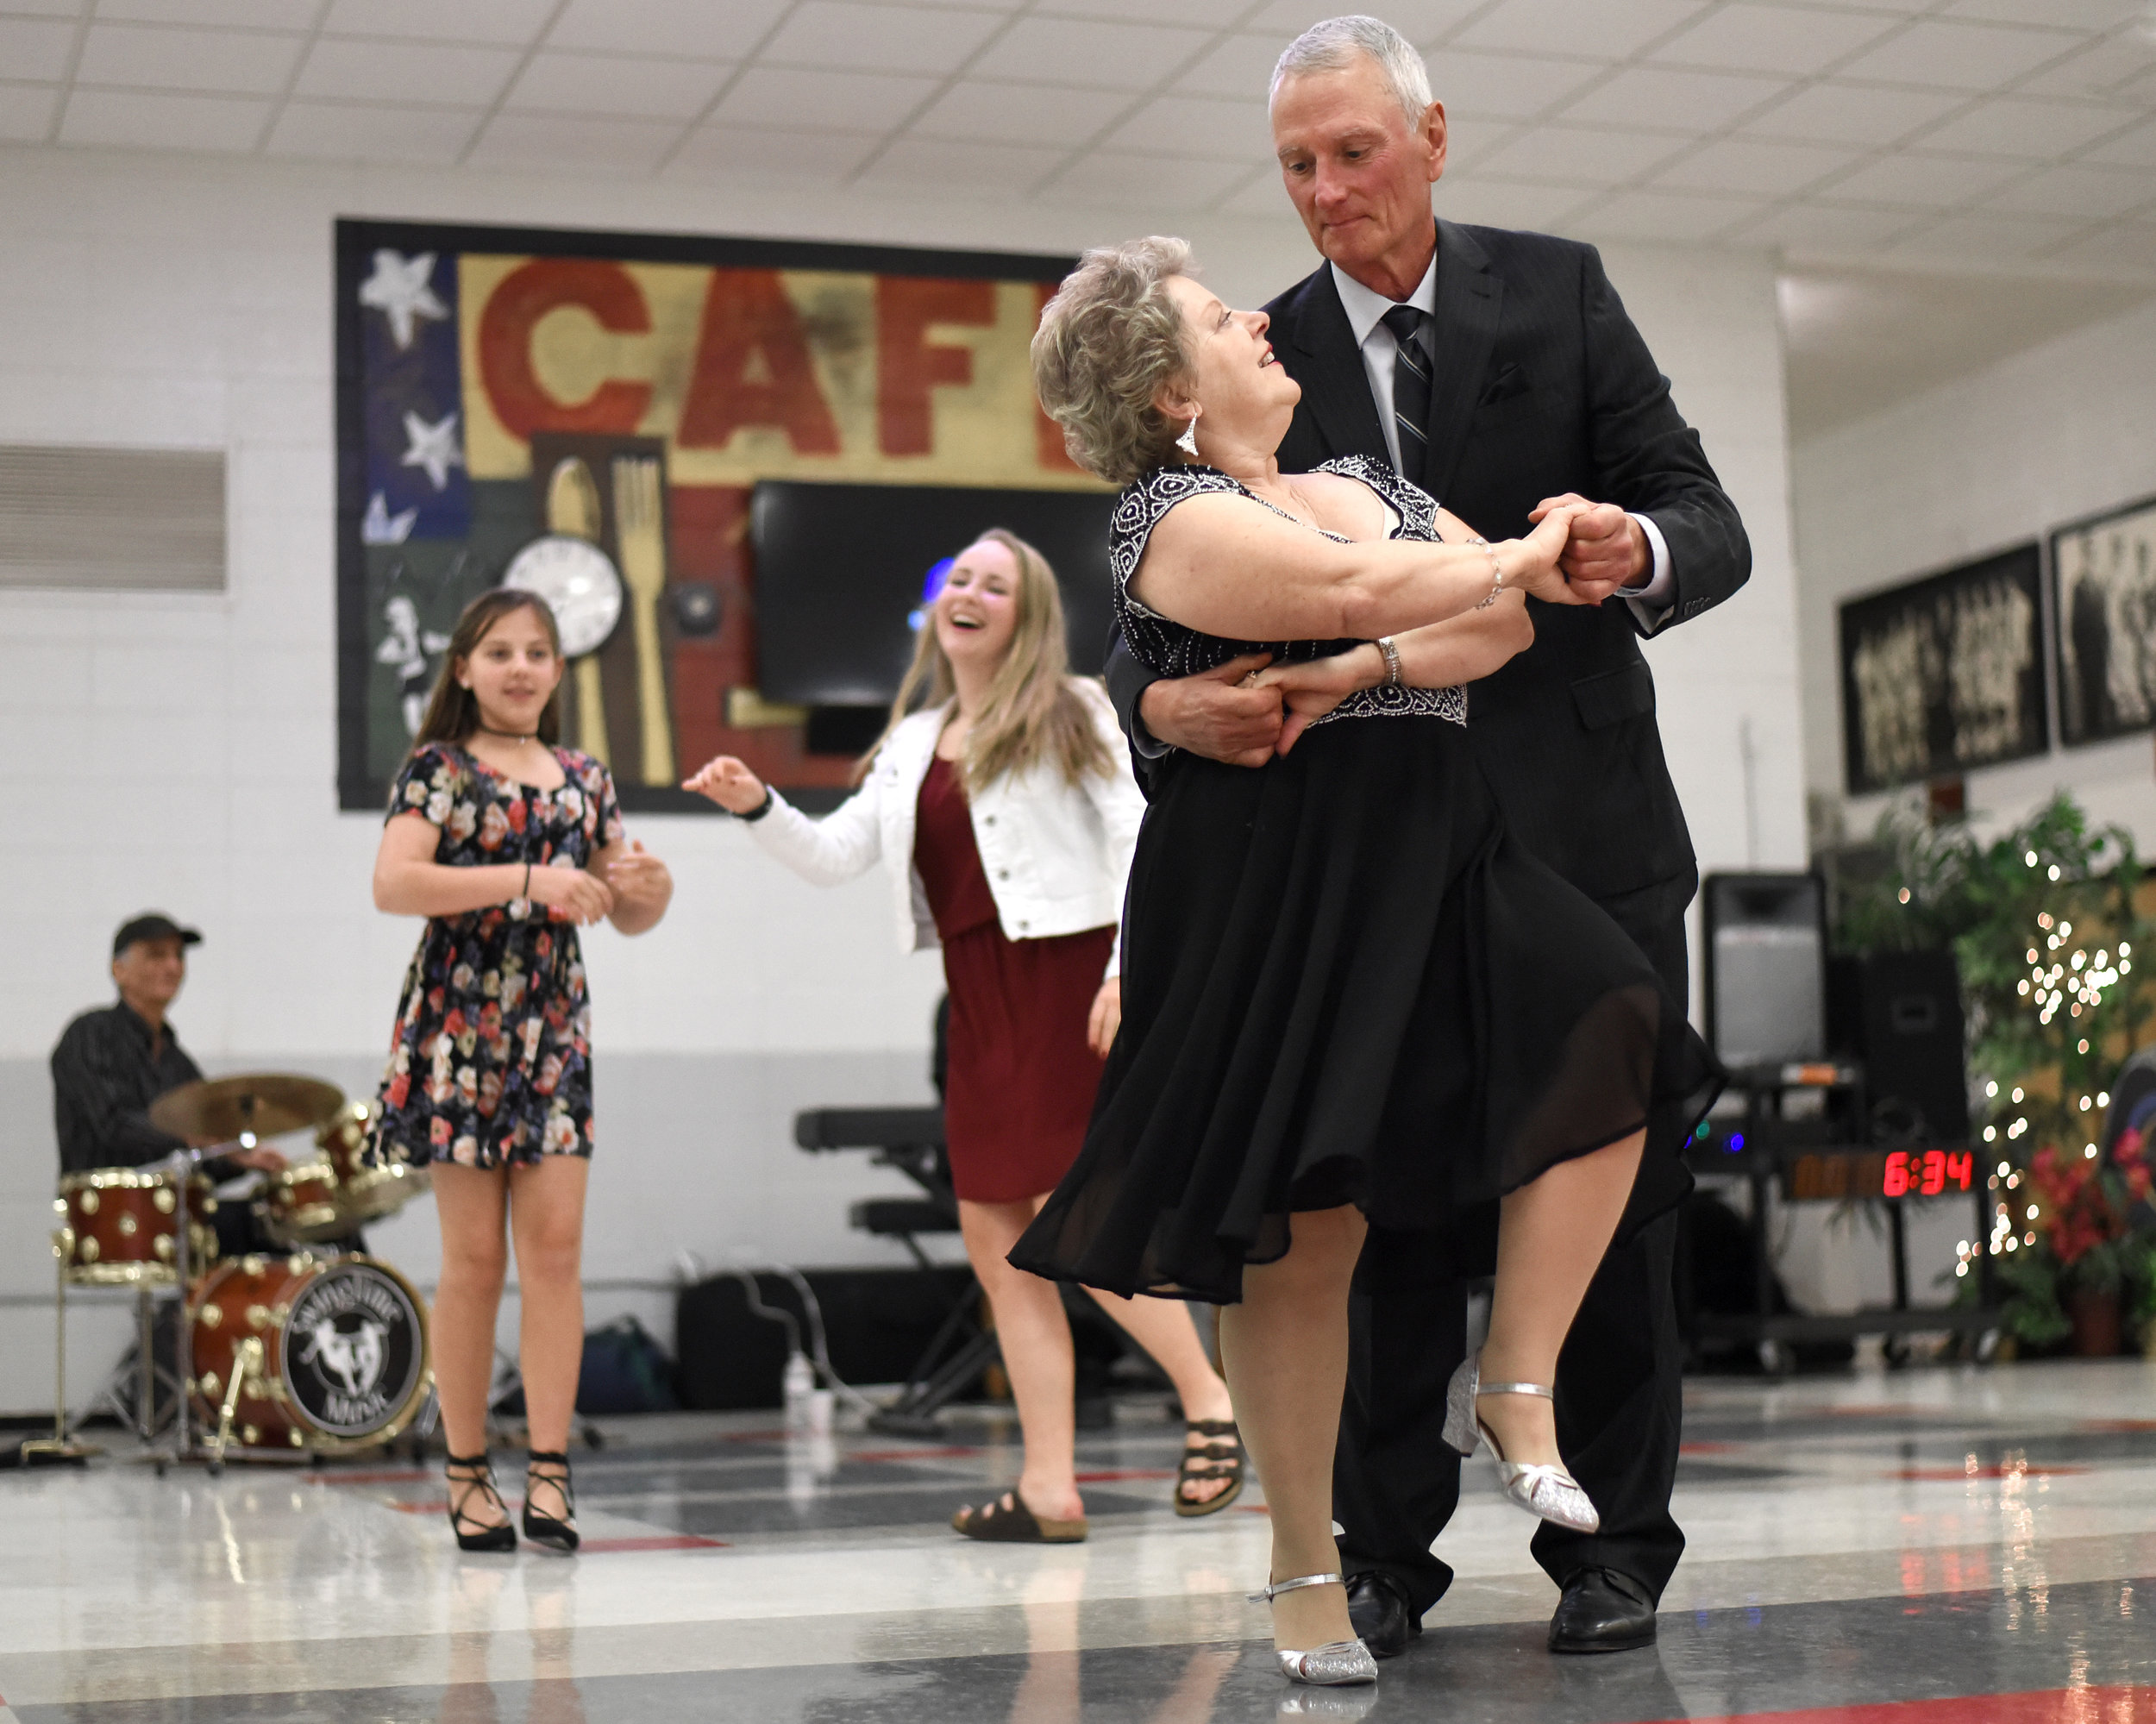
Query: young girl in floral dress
point(507, 843)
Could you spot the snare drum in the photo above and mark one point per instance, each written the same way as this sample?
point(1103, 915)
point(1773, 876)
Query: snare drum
point(300, 1206)
point(121, 1228)
point(364, 1193)
point(331, 1354)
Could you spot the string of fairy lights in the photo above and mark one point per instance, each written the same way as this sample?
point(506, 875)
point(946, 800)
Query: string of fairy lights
point(2072, 980)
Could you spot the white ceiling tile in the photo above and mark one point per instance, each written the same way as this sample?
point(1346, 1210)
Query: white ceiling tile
point(1918, 182)
point(457, 20)
point(32, 49)
point(26, 111)
point(922, 165)
point(1945, 54)
point(147, 120)
point(1767, 38)
point(2094, 194)
point(1505, 86)
point(2136, 148)
point(2118, 67)
point(836, 33)
point(1987, 238)
point(666, 27)
point(1816, 228)
point(1504, 203)
point(857, 101)
point(1685, 101)
point(257, 15)
point(738, 153)
point(525, 142)
point(1216, 15)
point(342, 132)
point(49, 9)
point(1261, 195)
point(1583, 156)
point(2023, 130)
point(1143, 182)
point(1766, 170)
point(1469, 143)
point(239, 62)
point(2131, 245)
point(1015, 113)
point(2080, 15)
point(1587, 27)
point(405, 73)
point(1177, 127)
point(1852, 114)
point(604, 84)
point(1110, 56)
point(1667, 216)
point(1239, 67)
point(1420, 21)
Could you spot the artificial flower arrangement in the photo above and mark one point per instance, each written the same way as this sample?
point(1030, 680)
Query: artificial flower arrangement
point(2092, 1264)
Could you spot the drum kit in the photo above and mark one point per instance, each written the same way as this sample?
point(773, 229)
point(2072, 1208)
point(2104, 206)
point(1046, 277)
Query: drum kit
point(317, 1352)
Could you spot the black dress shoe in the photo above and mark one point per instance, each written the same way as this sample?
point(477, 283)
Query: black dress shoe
point(1602, 1611)
point(1383, 1617)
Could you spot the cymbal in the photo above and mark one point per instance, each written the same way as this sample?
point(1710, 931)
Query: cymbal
point(265, 1103)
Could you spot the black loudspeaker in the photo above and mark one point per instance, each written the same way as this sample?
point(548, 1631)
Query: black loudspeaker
point(1766, 967)
point(1900, 1013)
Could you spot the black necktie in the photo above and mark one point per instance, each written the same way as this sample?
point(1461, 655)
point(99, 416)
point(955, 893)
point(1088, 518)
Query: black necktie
point(1411, 387)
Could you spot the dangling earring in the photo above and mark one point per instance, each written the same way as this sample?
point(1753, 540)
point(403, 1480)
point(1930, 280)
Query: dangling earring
point(1188, 441)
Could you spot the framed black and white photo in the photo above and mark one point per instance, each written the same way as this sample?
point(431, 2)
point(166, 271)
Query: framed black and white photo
point(2103, 575)
point(1944, 673)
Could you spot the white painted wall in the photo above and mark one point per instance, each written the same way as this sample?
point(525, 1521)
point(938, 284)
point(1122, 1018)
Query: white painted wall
point(179, 751)
point(2061, 431)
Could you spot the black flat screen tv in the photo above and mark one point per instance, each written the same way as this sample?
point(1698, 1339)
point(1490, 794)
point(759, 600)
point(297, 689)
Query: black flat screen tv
point(841, 570)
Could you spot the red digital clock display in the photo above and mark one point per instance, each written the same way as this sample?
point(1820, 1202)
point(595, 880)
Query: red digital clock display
point(1898, 1173)
point(1911, 1174)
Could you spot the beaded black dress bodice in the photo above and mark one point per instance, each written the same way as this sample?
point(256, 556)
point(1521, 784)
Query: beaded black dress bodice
point(1169, 649)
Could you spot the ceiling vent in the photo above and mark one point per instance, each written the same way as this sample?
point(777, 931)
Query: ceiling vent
point(112, 520)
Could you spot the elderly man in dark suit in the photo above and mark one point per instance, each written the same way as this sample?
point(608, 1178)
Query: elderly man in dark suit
point(1498, 371)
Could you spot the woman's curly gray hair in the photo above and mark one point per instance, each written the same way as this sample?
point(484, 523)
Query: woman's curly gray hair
point(1107, 341)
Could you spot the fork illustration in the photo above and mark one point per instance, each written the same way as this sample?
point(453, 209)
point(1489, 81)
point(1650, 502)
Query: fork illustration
point(640, 531)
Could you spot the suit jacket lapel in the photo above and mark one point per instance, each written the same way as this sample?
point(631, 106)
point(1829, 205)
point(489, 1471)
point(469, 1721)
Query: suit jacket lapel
point(1470, 299)
point(1336, 389)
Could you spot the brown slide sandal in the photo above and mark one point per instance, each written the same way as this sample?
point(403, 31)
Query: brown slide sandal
point(1219, 1457)
point(1008, 1521)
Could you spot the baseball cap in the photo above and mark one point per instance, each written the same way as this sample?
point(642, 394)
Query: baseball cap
point(153, 925)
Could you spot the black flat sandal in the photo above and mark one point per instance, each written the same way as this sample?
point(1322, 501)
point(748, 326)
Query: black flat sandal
point(477, 1471)
point(544, 1529)
point(1221, 1456)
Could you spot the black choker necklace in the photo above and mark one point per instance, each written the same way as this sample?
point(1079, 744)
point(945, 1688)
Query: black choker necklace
point(518, 737)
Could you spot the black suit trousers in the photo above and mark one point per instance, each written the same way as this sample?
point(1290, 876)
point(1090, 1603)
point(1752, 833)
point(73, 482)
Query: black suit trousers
point(1620, 1379)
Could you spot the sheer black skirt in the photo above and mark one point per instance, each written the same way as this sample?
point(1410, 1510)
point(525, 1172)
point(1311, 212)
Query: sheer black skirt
point(1343, 982)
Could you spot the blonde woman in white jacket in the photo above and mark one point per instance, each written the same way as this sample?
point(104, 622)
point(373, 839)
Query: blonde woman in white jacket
point(1005, 814)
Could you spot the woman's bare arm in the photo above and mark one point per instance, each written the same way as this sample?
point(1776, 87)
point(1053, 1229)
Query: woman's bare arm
point(1229, 566)
point(409, 881)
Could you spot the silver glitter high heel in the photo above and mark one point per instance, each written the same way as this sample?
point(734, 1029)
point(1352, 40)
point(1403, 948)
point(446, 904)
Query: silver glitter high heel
point(1548, 1492)
point(1338, 1664)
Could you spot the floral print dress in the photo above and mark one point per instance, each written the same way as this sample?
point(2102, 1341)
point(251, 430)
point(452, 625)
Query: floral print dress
point(491, 1063)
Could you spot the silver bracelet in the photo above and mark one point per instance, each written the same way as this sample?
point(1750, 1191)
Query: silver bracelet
point(1497, 572)
point(1392, 661)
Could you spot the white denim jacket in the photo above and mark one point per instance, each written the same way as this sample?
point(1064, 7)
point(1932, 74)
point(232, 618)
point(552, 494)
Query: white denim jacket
point(1057, 855)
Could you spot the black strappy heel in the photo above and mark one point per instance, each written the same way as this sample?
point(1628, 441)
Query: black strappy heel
point(544, 1529)
point(477, 1471)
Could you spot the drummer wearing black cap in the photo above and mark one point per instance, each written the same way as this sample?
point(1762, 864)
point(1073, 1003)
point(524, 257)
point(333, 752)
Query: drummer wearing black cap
point(113, 1062)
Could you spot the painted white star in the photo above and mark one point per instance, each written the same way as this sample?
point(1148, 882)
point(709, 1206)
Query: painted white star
point(401, 289)
point(434, 448)
point(379, 527)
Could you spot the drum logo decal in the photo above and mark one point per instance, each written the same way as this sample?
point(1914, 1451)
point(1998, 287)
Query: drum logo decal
point(354, 1350)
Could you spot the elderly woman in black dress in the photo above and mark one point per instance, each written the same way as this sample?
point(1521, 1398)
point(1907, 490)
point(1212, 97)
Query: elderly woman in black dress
point(1346, 992)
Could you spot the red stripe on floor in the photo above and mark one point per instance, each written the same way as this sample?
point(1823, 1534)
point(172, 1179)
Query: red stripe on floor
point(401, 1475)
point(2115, 1426)
point(682, 1541)
point(2049, 1706)
point(943, 1454)
point(1112, 1473)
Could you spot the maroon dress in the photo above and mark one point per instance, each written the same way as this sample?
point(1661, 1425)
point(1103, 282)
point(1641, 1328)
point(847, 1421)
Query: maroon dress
point(1022, 1079)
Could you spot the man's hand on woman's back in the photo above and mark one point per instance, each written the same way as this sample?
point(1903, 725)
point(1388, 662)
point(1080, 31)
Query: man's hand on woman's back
point(1213, 714)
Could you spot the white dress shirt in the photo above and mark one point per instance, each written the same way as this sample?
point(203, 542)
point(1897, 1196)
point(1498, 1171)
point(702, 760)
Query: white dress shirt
point(1366, 316)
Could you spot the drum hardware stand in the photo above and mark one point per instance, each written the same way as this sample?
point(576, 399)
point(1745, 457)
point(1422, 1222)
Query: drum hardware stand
point(248, 1358)
point(59, 1449)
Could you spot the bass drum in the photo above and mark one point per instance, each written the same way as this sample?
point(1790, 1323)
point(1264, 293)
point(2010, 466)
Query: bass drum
point(331, 1356)
point(366, 1193)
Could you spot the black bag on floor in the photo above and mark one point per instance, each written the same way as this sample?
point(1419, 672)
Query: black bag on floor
point(624, 1371)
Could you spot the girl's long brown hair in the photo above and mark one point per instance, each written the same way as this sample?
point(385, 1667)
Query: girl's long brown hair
point(453, 711)
point(1033, 712)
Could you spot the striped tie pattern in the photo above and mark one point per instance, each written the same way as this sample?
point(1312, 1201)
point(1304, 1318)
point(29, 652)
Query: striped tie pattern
point(1411, 387)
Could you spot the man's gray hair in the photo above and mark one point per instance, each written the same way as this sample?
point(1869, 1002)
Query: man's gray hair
point(1333, 46)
